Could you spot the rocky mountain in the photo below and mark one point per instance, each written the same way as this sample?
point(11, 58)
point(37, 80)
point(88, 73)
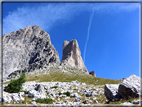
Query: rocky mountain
point(72, 55)
point(29, 48)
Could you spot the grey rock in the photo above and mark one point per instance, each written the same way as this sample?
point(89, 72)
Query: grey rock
point(29, 48)
point(96, 101)
point(130, 87)
point(37, 94)
point(127, 103)
point(15, 97)
point(136, 102)
point(34, 103)
point(73, 95)
point(21, 93)
point(72, 55)
point(6, 99)
point(89, 93)
point(92, 73)
point(86, 101)
point(77, 99)
point(111, 91)
point(39, 87)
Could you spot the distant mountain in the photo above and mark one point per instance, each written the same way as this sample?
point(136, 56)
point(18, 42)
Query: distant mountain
point(31, 49)
point(72, 55)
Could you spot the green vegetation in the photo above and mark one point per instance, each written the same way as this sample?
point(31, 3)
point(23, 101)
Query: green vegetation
point(65, 93)
point(46, 100)
point(26, 92)
point(72, 74)
point(54, 87)
point(15, 86)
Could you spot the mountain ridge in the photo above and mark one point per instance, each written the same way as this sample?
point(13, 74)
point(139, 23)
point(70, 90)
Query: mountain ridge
point(31, 48)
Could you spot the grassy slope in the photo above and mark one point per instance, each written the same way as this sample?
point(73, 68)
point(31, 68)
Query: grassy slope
point(56, 74)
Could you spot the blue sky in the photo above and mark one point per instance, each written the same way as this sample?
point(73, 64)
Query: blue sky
point(107, 33)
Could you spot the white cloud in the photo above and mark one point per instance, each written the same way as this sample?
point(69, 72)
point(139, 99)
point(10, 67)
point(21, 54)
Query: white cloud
point(47, 15)
point(88, 33)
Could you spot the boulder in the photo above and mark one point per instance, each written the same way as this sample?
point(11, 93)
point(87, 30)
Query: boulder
point(77, 99)
point(72, 55)
point(136, 101)
point(6, 99)
point(130, 87)
point(92, 73)
point(86, 101)
point(15, 97)
point(111, 91)
point(89, 93)
point(37, 94)
point(34, 103)
point(96, 101)
point(29, 48)
point(73, 95)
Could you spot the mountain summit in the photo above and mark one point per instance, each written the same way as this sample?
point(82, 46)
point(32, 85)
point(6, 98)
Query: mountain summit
point(72, 55)
point(29, 48)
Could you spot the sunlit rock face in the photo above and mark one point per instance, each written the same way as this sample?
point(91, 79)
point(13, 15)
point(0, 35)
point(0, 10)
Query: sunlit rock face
point(29, 48)
point(72, 55)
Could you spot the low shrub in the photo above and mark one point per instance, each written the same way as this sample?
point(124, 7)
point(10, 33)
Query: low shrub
point(54, 87)
point(65, 93)
point(15, 86)
point(60, 93)
point(46, 100)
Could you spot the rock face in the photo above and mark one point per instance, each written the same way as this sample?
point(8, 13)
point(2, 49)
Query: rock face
point(72, 55)
point(29, 48)
point(130, 87)
point(92, 73)
point(127, 89)
point(111, 91)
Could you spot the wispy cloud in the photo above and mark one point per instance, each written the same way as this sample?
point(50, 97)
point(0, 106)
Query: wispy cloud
point(48, 15)
point(45, 16)
point(88, 33)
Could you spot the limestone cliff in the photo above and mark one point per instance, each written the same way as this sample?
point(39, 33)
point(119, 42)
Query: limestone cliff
point(29, 48)
point(72, 55)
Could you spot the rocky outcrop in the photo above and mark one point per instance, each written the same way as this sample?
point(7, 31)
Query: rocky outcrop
point(130, 87)
point(111, 91)
point(72, 55)
point(127, 89)
point(29, 48)
point(92, 73)
point(7, 97)
point(42, 90)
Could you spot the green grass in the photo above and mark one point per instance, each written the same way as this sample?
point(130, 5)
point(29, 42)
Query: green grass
point(65, 93)
point(54, 87)
point(55, 74)
point(46, 100)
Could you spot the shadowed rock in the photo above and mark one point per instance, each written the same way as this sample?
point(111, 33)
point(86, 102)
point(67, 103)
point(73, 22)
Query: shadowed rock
point(72, 55)
point(29, 48)
point(110, 91)
point(130, 87)
point(92, 73)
